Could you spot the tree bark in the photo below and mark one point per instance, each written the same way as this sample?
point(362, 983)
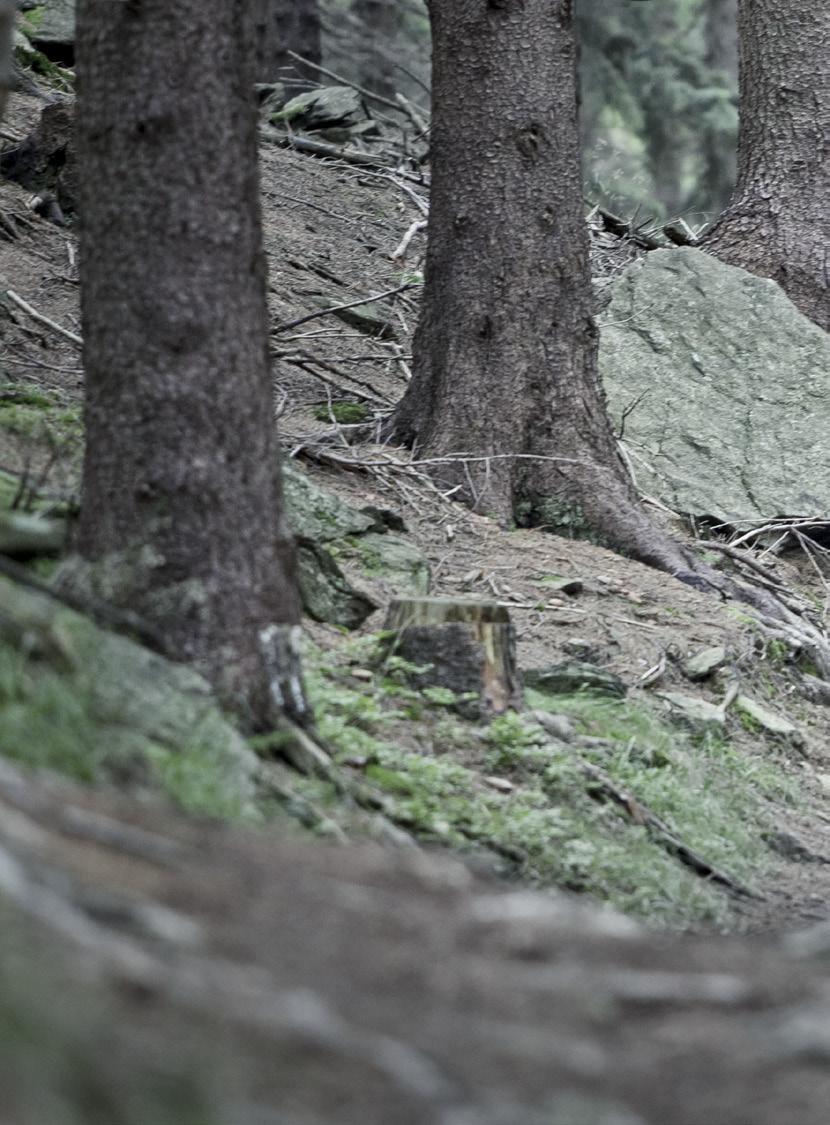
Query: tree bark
point(182, 501)
point(778, 222)
point(286, 25)
point(506, 351)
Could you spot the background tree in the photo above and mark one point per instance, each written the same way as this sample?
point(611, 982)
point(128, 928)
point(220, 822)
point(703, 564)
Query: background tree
point(719, 117)
point(7, 12)
point(286, 25)
point(658, 104)
point(778, 222)
point(182, 508)
point(506, 350)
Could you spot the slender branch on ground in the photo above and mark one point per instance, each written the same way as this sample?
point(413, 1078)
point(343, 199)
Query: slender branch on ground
point(41, 319)
point(340, 308)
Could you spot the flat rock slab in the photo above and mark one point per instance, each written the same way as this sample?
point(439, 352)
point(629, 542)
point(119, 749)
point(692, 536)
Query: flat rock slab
point(725, 388)
point(55, 25)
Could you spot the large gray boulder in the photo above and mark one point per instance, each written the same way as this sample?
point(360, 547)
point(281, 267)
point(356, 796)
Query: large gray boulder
point(725, 388)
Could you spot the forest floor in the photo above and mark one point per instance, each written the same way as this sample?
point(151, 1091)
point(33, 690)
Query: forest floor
point(361, 971)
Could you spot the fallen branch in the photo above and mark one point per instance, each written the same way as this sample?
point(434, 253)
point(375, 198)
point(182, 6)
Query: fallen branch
point(347, 305)
point(330, 152)
point(345, 82)
point(41, 319)
point(603, 787)
point(402, 247)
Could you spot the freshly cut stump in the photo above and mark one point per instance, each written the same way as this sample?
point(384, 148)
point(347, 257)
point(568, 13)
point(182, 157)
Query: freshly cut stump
point(466, 646)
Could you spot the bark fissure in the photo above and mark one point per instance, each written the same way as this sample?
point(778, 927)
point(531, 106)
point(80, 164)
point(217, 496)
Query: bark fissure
point(506, 348)
point(777, 224)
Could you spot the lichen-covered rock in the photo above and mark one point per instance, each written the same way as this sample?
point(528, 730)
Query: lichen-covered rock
point(95, 705)
point(320, 109)
point(393, 561)
point(326, 593)
point(725, 387)
point(317, 515)
point(54, 27)
point(329, 531)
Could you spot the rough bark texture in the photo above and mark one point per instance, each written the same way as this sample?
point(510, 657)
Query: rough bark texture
point(286, 25)
point(506, 349)
point(778, 222)
point(181, 492)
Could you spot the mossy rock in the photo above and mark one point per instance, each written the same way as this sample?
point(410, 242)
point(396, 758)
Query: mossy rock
point(315, 514)
point(96, 706)
point(326, 593)
point(394, 560)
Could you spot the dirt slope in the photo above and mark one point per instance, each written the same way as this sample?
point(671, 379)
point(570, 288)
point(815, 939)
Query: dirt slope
point(239, 980)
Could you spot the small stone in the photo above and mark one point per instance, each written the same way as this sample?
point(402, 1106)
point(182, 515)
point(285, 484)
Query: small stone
point(581, 649)
point(570, 586)
point(768, 720)
point(500, 783)
point(790, 847)
point(703, 664)
point(557, 726)
point(692, 710)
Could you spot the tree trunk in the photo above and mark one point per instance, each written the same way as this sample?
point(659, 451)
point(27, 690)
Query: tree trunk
point(778, 222)
point(506, 351)
point(286, 25)
point(7, 14)
point(182, 501)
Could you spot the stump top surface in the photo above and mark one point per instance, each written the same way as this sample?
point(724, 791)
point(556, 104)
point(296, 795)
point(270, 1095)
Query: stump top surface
point(439, 611)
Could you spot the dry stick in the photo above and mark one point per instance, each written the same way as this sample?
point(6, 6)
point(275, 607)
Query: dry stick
point(317, 148)
point(402, 247)
point(345, 82)
point(412, 113)
point(306, 361)
point(745, 558)
point(639, 813)
point(340, 308)
point(41, 319)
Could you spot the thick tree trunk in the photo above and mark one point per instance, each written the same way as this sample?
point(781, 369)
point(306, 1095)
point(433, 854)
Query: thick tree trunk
point(506, 350)
point(286, 25)
point(778, 222)
point(182, 505)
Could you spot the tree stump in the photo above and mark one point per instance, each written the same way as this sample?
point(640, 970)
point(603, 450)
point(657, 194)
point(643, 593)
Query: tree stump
point(466, 646)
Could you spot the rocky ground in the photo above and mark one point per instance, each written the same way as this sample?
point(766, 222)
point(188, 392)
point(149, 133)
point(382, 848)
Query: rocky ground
point(158, 967)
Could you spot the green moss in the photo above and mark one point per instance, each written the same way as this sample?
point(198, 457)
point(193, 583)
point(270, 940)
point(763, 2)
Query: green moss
point(547, 828)
point(95, 707)
point(39, 418)
point(344, 413)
